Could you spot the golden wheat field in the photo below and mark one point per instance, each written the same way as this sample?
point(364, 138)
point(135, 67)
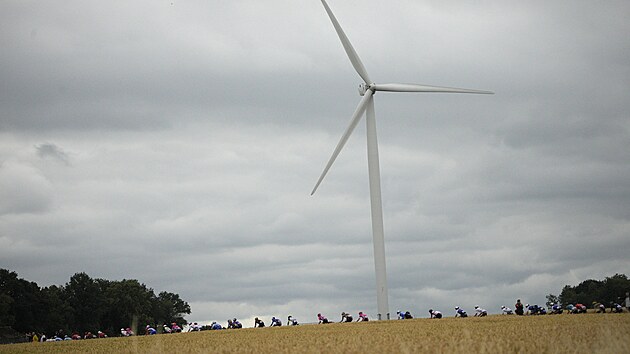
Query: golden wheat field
point(588, 333)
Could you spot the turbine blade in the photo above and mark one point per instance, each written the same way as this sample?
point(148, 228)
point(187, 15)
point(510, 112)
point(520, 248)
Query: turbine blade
point(352, 54)
point(356, 117)
point(423, 88)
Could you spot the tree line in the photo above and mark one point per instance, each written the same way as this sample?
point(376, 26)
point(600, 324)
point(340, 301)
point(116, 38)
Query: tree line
point(609, 291)
point(84, 304)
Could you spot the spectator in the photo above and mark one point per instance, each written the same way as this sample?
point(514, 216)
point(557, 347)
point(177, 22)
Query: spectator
point(518, 308)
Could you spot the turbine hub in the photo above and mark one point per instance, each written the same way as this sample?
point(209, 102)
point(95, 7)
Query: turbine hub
point(363, 87)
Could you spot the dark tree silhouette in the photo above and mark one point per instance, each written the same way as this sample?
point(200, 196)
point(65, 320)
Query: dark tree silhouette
point(84, 304)
point(608, 291)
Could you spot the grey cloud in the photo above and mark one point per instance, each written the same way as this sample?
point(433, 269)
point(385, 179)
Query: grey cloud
point(196, 131)
point(23, 189)
point(48, 150)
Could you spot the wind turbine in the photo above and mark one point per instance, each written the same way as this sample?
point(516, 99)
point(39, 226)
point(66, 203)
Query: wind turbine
point(367, 89)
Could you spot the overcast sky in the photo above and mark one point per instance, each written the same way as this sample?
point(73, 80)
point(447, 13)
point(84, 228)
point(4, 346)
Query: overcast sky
point(177, 142)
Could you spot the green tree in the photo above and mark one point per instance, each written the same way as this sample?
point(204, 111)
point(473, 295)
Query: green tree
point(6, 300)
point(589, 291)
point(610, 290)
point(6, 317)
point(25, 297)
point(84, 304)
point(615, 289)
point(57, 312)
point(567, 296)
point(87, 303)
point(551, 300)
point(169, 308)
point(127, 300)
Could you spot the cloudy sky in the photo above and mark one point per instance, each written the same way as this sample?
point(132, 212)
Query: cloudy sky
point(177, 142)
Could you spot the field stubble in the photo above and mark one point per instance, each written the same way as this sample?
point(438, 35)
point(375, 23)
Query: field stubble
point(589, 333)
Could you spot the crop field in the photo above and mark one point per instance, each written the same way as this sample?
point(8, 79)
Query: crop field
point(587, 333)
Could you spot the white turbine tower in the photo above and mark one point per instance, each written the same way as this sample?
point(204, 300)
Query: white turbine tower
point(367, 90)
